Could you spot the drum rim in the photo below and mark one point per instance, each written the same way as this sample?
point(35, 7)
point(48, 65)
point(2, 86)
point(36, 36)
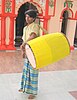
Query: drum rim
point(33, 54)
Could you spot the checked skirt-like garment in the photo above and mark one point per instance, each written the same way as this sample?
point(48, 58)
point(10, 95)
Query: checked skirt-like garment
point(29, 82)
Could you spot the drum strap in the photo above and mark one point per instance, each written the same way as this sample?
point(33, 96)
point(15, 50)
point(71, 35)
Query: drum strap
point(44, 30)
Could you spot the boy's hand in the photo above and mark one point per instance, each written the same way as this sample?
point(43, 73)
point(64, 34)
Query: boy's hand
point(23, 50)
point(22, 46)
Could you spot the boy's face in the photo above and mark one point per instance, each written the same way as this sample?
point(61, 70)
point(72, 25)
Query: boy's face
point(29, 19)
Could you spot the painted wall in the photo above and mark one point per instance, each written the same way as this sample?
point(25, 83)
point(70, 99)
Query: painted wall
point(71, 31)
point(55, 22)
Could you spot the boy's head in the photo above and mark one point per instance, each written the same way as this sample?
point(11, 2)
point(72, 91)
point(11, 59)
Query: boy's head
point(32, 13)
point(30, 16)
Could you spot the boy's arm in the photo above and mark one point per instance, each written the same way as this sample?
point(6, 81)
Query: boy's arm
point(32, 36)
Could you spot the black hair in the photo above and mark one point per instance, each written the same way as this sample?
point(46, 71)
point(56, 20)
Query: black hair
point(32, 13)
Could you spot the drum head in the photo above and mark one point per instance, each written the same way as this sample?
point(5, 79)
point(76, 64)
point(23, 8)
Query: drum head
point(30, 56)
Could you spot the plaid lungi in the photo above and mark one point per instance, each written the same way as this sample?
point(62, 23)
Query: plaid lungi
point(29, 82)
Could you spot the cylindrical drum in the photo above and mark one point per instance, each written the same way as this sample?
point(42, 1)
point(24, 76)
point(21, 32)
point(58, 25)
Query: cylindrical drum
point(47, 49)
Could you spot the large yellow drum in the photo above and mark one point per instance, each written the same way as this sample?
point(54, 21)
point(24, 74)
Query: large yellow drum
point(47, 49)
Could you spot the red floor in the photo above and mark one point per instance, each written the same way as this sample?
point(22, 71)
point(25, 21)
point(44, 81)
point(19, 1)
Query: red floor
point(74, 94)
point(12, 62)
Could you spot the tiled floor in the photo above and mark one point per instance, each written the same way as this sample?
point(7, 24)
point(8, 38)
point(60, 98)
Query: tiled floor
point(53, 85)
point(12, 62)
point(56, 82)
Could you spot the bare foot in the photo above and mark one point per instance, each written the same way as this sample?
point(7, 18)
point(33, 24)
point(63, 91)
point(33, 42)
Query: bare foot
point(31, 96)
point(20, 90)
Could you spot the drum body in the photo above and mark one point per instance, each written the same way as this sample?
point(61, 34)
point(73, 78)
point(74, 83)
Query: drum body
point(47, 49)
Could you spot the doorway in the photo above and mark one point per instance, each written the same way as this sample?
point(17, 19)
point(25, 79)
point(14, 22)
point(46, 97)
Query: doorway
point(75, 38)
point(64, 22)
point(20, 22)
